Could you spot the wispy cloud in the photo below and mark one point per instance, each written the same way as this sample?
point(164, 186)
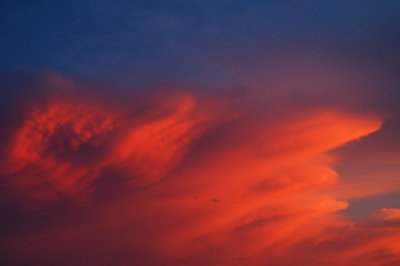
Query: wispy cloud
point(184, 177)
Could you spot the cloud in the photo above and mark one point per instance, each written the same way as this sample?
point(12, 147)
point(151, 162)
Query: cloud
point(388, 214)
point(182, 178)
point(62, 145)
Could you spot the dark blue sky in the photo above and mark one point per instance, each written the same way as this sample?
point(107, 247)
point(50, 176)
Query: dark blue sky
point(179, 41)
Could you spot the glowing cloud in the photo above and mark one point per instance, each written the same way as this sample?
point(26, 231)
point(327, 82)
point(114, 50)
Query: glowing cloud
point(63, 146)
point(186, 181)
point(388, 214)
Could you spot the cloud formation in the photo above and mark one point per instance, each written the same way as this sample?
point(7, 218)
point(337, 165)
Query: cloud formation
point(63, 145)
point(183, 178)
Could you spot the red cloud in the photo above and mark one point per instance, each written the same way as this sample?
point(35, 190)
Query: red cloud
point(249, 188)
point(63, 146)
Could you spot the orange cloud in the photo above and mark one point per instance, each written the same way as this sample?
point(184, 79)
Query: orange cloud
point(62, 147)
point(388, 214)
point(195, 185)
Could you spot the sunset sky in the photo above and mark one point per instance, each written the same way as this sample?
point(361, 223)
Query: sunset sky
point(200, 132)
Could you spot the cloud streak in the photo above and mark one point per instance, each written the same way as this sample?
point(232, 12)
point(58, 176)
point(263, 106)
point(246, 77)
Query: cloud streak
point(184, 178)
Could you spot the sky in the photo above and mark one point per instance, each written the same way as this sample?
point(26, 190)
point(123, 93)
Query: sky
point(221, 132)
